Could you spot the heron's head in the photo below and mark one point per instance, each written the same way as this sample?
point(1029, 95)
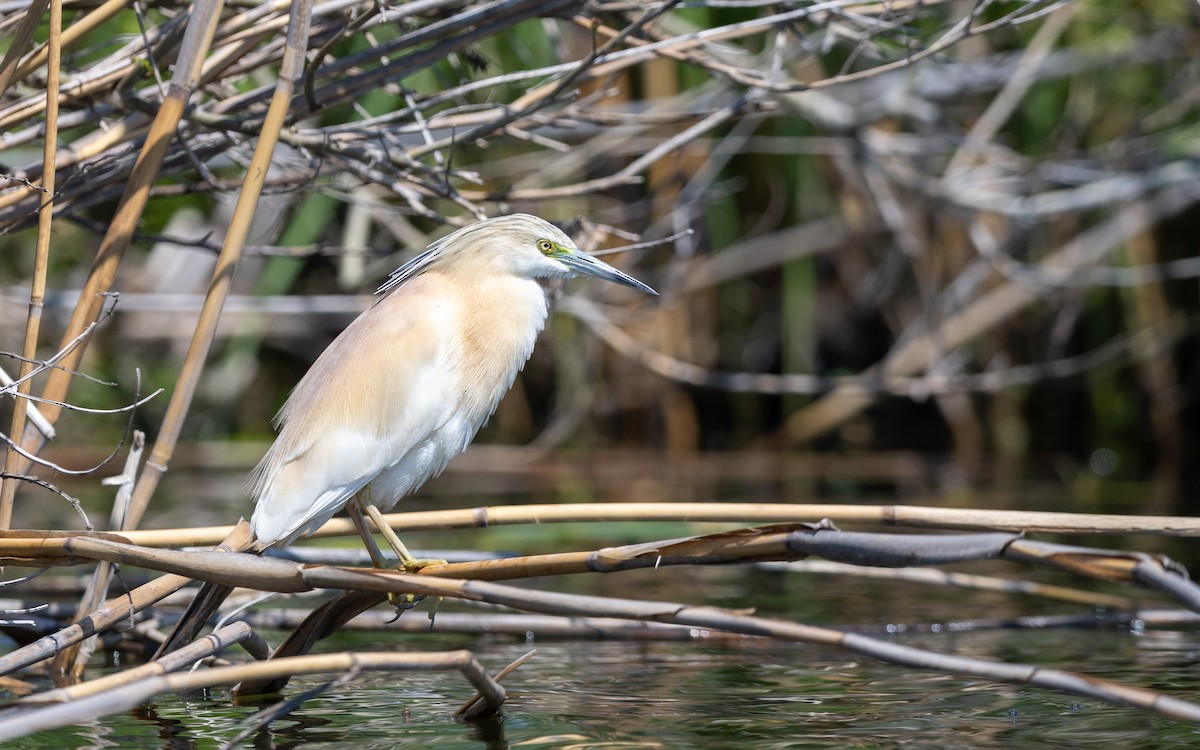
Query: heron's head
point(518, 244)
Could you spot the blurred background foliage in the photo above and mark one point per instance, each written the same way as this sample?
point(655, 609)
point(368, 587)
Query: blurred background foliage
point(955, 239)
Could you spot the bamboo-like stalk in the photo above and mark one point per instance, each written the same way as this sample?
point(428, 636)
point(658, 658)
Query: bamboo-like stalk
point(205, 14)
point(128, 696)
point(962, 580)
point(13, 461)
point(482, 623)
point(213, 643)
point(478, 704)
point(114, 611)
point(910, 516)
point(782, 542)
point(72, 34)
point(600, 629)
point(20, 40)
point(291, 577)
point(231, 250)
point(71, 661)
point(887, 652)
point(1008, 298)
point(352, 558)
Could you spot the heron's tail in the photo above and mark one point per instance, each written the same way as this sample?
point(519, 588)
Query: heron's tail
point(210, 596)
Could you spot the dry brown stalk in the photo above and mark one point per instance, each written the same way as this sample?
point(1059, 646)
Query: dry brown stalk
point(478, 703)
point(483, 623)
point(213, 643)
point(887, 652)
point(964, 580)
point(913, 516)
point(21, 40)
point(775, 543)
point(128, 696)
point(343, 557)
point(197, 38)
point(888, 515)
point(235, 239)
point(13, 461)
point(600, 628)
point(113, 612)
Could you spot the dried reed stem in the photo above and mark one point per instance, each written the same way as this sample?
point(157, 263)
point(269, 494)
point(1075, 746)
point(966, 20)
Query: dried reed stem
point(21, 40)
point(114, 611)
point(196, 40)
point(919, 351)
point(213, 643)
point(13, 461)
point(72, 660)
point(125, 697)
point(938, 577)
point(231, 250)
point(912, 516)
point(72, 34)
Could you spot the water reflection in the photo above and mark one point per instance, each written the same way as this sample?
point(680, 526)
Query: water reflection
point(640, 695)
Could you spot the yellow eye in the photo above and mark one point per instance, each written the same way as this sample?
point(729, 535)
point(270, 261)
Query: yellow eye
point(545, 246)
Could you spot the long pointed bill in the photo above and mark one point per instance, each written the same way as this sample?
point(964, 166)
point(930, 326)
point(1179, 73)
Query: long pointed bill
point(586, 265)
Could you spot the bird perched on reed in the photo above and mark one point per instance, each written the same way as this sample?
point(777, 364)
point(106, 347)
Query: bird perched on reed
point(408, 384)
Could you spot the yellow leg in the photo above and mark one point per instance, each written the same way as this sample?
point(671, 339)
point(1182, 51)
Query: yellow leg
point(408, 563)
point(354, 510)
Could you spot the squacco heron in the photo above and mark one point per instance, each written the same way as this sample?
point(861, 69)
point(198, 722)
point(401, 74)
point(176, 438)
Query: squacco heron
point(408, 384)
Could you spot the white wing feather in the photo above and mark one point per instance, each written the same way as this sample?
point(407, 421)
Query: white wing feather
point(402, 391)
point(326, 452)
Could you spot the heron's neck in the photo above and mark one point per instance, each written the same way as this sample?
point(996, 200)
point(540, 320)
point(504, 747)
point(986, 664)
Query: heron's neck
point(502, 317)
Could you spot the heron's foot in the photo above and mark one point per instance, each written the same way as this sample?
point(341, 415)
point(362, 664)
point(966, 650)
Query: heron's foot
point(437, 602)
point(415, 564)
point(405, 602)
